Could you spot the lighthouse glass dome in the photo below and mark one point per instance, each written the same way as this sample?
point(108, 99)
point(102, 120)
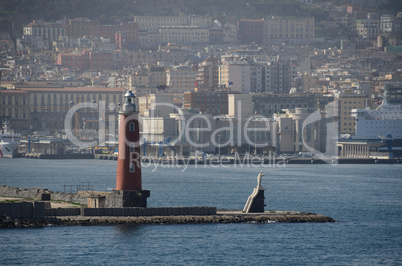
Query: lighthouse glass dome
point(129, 102)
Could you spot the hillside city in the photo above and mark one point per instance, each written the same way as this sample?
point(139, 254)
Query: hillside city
point(242, 85)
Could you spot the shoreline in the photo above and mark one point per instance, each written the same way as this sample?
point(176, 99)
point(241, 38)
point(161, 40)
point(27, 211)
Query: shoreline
point(223, 161)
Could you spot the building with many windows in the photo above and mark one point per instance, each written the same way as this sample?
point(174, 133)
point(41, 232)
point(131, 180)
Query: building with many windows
point(279, 76)
point(270, 104)
point(31, 107)
point(251, 30)
point(345, 103)
point(367, 28)
point(15, 108)
point(388, 23)
point(279, 30)
point(76, 61)
point(243, 77)
point(152, 24)
point(181, 78)
point(208, 73)
point(86, 60)
point(210, 102)
point(80, 27)
point(50, 31)
point(276, 76)
point(184, 35)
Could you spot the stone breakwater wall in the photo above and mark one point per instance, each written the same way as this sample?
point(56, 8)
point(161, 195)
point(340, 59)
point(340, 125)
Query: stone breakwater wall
point(43, 194)
point(41, 209)
point(272, 217)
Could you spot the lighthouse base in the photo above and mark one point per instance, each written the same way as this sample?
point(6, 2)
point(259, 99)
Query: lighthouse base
point(127, 198)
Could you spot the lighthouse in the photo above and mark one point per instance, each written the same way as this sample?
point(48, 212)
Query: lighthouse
point(128, 192)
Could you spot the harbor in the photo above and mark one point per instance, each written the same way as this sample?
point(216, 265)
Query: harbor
point(363, 199)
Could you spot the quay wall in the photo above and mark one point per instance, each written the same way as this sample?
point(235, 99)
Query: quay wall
point(58, 156)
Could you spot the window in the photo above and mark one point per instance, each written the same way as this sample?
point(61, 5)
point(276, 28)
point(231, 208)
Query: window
point(132, 168)
point(132, 146)
point(131, 127)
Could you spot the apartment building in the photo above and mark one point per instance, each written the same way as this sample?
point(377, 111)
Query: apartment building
point(139, 78)
point(366, 28)
point(208, 73)
point(388, 23)
point(15, 108)
point(279, 76)
point(50, 31)
point(251, 30)
point(184, 35)
point(79, 27)
point(275, 76)
point(157, 76)
point(152, 24)
point(210, 102)
point(75, 61)
point(156, 105)
point(279, 30)
point(181, 78)
point(242, 77)
point(86, 60)
point(345, 103)
point(101, 61)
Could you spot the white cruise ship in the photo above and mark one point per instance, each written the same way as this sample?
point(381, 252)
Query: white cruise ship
point(385, 121)
point(9, 142)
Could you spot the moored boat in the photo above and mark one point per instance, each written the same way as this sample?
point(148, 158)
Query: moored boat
point(9, 142)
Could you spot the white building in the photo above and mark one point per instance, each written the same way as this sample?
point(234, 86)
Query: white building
point(156, 105)
point(184, 35)
point(275, 76)
point(242, 77)
point(152, 24)
point(240, 106)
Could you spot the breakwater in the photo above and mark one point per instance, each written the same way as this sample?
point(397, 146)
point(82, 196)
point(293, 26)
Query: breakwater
point(33, 209)
point(220, 217)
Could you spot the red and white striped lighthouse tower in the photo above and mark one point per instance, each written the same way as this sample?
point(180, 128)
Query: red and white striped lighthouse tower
point(128, 192)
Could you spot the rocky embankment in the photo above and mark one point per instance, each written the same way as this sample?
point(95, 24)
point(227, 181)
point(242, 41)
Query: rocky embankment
point(221, 217)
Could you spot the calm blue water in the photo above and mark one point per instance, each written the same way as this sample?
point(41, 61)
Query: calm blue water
point(366, 200)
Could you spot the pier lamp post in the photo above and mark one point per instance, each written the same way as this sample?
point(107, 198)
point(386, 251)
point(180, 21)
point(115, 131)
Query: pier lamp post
point(219, 146)
point(255, 134)
point(93, 126)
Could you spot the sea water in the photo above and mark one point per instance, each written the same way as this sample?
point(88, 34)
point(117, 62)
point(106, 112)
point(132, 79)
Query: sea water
point(366, 201)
